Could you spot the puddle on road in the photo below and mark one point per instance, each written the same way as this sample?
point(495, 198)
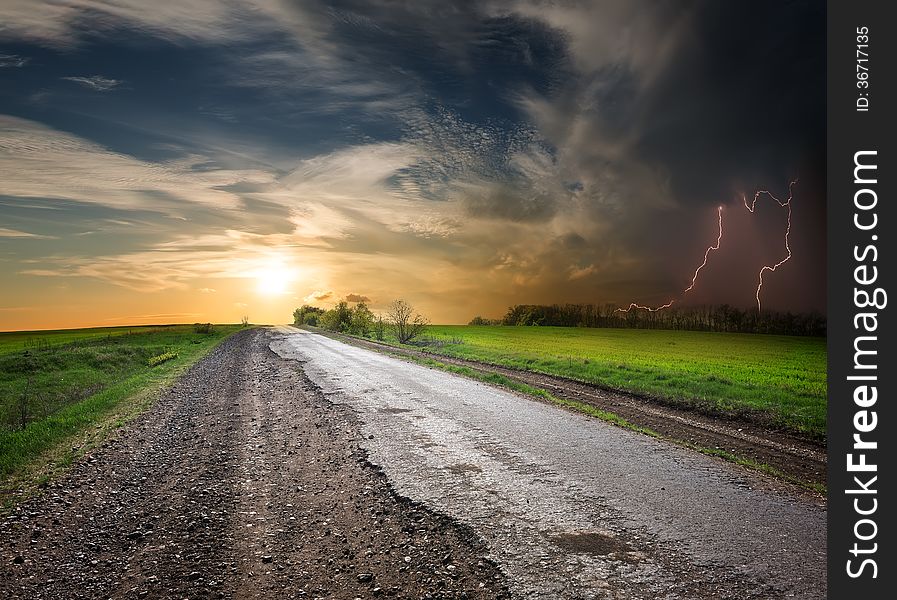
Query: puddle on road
point(462, 468)
point(394, 411)
point(592, 542)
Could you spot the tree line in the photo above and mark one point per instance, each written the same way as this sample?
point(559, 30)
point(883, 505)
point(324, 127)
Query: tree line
point(401, 320)
point(717, 317)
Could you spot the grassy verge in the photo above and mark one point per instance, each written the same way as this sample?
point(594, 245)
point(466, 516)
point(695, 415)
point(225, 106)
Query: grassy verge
point(778, 379)
point(78, 391)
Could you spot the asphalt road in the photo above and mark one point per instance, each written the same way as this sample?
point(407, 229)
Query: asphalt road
point(567, 505)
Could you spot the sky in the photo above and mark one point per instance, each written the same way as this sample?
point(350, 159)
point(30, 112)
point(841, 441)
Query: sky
point(202, 160)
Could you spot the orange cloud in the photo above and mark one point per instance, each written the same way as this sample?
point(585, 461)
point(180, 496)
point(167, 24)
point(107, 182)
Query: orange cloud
point(318, 296)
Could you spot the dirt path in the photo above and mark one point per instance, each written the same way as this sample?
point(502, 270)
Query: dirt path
point(791, 454)
point(243, 481)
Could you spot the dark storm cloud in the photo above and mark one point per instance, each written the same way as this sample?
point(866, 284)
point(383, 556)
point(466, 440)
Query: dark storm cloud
point(741, 104)
point(512, 203)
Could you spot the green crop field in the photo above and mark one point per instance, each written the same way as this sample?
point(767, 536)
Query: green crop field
point(780, 378)
point(15, 341)
point(55, 384)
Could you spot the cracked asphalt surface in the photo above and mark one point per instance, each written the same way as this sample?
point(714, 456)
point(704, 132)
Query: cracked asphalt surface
point(570, 506)
point(749, 437)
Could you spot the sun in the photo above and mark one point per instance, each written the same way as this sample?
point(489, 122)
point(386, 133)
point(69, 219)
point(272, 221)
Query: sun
point(273, 280)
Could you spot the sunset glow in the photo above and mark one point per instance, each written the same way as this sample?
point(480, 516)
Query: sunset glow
point(273, 280)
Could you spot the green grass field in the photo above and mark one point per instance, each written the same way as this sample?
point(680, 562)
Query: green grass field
point(15, 341)
point(55, 384)
point(781, 377)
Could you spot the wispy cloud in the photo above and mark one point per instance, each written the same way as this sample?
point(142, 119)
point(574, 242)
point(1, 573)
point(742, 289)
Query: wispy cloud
point(64, 24)
point(15, 233)
point(13, 60)
point(37, 161)
point(581, 272)
point(152, 317)
point(97, 83)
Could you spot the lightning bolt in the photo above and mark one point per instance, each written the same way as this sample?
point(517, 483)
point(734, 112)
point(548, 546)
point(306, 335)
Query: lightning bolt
point(707, 252)
point(719, 239)
point(647, 308)
point(785, 204)
point(694, 279)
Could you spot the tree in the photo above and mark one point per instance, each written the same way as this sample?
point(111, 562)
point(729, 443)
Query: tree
point(307, 315)
point(406, 324)
point(379, 328)
point(329, 320)
point(362, 320)
point(338, 318)
point(721, 317)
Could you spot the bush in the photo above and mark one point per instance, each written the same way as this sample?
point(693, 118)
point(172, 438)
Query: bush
point(478, 320)
point(203, 328)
